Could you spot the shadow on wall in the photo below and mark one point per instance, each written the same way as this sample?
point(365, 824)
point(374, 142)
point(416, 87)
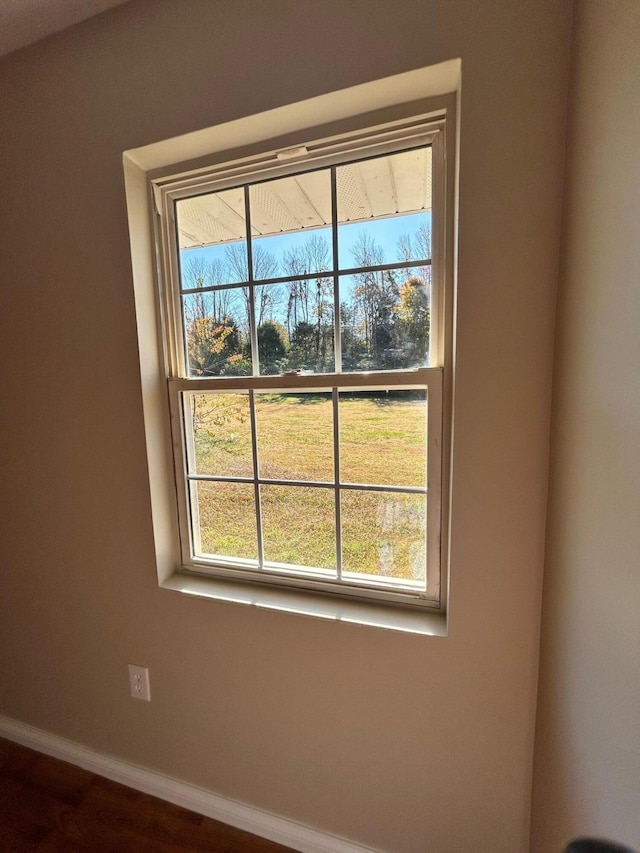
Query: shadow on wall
point(595, 845)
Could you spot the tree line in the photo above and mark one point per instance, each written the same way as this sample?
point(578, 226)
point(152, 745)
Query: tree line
point(384, 316)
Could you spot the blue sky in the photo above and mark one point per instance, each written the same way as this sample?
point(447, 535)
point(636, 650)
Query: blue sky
point(384, 231)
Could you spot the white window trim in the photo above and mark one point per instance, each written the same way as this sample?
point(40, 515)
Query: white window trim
point(398, 136)
point(139, 171)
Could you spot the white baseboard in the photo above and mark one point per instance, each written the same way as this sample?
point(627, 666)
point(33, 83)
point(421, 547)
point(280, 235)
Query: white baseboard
point(274, 828)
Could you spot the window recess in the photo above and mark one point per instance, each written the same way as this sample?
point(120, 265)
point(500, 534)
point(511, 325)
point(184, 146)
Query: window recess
point(303, 304)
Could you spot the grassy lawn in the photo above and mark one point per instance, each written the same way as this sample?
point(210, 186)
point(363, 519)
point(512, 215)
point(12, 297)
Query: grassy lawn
point(382, 441)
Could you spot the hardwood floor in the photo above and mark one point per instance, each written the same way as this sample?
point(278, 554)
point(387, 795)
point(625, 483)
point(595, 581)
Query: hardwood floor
point(50, 806)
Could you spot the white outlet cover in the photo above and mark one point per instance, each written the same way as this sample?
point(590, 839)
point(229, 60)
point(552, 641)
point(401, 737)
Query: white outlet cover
point(139, 682)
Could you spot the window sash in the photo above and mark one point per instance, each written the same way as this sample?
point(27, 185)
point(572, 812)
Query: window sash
point(376, 587)
point(330, 154)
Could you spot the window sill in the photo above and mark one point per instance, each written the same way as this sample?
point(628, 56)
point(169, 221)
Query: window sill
point(406, 620)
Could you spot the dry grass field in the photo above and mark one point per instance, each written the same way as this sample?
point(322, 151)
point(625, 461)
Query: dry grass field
point(382, 442)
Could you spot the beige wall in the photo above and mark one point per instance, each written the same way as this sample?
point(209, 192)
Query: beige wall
point(403, 743)
point(587, 777)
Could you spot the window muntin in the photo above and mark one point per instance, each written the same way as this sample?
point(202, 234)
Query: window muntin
point(283, 446)
point(249, 302)
point(262, 293)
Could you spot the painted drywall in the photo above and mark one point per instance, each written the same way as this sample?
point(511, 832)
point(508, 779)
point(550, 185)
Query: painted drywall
point(23, 22)
point(403, 743)
point(587, 772)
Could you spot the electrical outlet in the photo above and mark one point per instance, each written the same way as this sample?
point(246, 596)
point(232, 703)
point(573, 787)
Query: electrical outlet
point(139, 682)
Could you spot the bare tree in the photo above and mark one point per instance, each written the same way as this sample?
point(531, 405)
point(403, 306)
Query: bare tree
point(295, 262)
point(417, 247)
point(310, 299)
point(371, 292)
point(197, 273)
point(265, 265)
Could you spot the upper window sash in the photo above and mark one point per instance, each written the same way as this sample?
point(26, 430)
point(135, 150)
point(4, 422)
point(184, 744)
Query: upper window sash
point(306, 158)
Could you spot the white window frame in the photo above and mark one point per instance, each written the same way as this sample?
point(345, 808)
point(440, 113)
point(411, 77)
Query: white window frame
point(164, 185)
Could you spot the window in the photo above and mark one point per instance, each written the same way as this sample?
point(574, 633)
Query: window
point(305, 324)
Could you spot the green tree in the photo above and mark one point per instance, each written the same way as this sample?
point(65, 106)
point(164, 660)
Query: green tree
point(354, 351)
point(271, 346)
point(302, 353)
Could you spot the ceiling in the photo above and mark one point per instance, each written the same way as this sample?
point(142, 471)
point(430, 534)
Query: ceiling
point(23, 22)
point(380, 187)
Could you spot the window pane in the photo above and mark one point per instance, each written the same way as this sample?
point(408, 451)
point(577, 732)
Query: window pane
point(203, 268)
point(383, 437)
point(384, 535)
point(295, 436)
point(212, 238)
point(385, 241)
point(384, 209)
point(292, 253)
point(221, 434)
point(216, 332)
point(298, 526)
point(385, 319)
point(224, 514)
point(290, 216)
point(273, 339)
point(295, 326)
